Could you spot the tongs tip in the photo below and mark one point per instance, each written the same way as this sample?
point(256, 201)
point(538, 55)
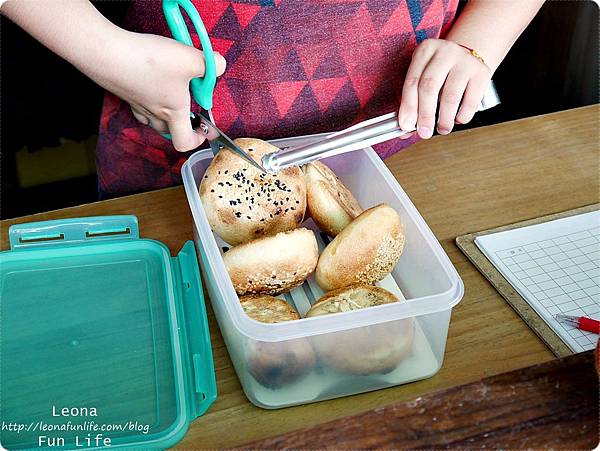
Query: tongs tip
point(250, 160)
point(258, 166)
point(270, 163)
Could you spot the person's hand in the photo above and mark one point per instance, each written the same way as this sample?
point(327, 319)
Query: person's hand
point(441, 70)
point(153, 76)
point(152, 73)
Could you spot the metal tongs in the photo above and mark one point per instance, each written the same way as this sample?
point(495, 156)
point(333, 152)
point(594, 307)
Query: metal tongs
point(359, 136)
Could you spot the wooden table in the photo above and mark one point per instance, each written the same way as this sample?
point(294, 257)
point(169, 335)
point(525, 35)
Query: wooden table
point(465, 182)
point(550, 405)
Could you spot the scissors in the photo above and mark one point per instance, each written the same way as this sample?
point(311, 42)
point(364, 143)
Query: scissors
point(202, 87)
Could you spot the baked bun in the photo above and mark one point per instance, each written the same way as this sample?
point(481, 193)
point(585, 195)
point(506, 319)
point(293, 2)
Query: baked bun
point(354, 297)
point(242, 203)
point(364, 252)
point(274, 364)
point(365, 350)
point(272, 264)
point(329, 203)
point(268, 309)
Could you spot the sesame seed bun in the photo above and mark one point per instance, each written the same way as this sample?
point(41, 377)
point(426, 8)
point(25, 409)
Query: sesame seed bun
point(329, 203)
point(364, 252)
point(365, 350)
point(274, 264)
point(242, 203)
point(268, 309)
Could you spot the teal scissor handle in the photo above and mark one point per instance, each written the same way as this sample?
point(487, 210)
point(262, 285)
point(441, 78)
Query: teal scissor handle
point(202, 87)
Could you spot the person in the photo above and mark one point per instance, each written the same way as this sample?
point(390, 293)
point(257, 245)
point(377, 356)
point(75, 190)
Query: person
point(293, 67)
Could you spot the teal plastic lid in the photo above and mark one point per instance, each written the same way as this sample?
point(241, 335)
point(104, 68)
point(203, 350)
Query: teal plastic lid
point(103, 336)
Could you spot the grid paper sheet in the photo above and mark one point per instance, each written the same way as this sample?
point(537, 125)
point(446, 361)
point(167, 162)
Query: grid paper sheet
point(555, 267)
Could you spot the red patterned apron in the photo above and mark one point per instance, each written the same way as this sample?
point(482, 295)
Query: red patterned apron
point(294, 67)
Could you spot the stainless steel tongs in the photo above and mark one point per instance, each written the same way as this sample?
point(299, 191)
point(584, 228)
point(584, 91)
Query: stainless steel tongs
point(359, 136)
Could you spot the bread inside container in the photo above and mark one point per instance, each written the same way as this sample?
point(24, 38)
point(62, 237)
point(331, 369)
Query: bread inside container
point(424, 280)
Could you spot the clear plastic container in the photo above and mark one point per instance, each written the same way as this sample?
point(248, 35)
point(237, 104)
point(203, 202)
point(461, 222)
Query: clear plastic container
point(325, 357)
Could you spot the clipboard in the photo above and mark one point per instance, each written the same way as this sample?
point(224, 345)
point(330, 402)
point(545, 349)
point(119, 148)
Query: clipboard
point(466, 244)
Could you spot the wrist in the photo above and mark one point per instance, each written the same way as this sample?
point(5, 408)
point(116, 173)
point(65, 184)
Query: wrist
point(492, 26)
point(479, 50)
point(99, 54)
point(473, 53)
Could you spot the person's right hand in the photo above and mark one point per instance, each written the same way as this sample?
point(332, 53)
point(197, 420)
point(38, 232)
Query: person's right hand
point(152, 73)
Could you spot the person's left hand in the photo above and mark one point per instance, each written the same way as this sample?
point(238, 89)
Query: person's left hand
point(441, 70)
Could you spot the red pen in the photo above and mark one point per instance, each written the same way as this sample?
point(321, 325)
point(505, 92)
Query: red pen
point(580, 322)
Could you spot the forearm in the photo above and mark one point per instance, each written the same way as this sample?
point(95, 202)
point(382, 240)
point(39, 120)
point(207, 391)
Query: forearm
point(151, 73)
point(73, 29)
point(492, 26)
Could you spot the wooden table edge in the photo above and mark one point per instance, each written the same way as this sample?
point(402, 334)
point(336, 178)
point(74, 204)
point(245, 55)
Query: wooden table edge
point(463, 416)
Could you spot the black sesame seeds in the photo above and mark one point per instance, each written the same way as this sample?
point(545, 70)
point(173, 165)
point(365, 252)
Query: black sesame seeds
point(254, 187)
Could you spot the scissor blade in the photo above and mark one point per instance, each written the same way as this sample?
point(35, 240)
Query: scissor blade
point(218, 139)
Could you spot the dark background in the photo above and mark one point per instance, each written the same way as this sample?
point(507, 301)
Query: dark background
point(44, 100)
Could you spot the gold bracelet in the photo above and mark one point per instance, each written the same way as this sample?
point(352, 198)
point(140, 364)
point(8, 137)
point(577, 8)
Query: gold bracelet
point(472, 52)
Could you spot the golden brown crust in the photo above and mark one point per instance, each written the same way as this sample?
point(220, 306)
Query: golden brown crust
point(242, 204)
point(274, 264)
point(365, 350)
point(268, 309)
point(364, 252)
point(354, 297)
point(329, 203)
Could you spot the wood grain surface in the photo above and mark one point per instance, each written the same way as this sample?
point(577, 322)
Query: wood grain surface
point(464, 182)
point(552, 405)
